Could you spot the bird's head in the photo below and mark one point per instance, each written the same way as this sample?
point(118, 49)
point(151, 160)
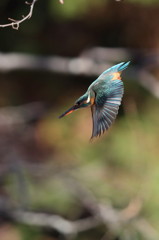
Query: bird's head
point(83, 101)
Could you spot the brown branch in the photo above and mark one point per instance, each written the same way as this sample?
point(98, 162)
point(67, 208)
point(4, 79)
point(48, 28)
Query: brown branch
point(16, 23)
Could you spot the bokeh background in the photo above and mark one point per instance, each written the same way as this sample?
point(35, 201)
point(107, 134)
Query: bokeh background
point(54, 183)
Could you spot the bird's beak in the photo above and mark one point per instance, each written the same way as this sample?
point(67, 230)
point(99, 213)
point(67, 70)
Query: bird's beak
point(70, 110)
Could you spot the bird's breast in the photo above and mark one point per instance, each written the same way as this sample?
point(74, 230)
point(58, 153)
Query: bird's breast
point(92, 100)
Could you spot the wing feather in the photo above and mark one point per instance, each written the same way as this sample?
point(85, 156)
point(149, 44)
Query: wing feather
point(105, 108)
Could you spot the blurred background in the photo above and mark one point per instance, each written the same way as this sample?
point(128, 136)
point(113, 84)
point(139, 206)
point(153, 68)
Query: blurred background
point(54, 183)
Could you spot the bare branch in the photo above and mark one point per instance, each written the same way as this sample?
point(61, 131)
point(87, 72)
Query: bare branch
point(90, 63)
point(101, 214)
point(68, 227)
point(56, 222)
point(104, 212)
point(16, 23)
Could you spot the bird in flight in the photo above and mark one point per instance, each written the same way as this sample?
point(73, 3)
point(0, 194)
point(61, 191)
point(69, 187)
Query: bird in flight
point(104, 97)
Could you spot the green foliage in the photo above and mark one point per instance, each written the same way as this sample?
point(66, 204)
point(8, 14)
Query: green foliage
point(28, 232)
point(76, 9)
point(73, 9)
point(121, 166)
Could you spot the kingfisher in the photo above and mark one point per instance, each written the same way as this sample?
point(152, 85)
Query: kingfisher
point(104, 96)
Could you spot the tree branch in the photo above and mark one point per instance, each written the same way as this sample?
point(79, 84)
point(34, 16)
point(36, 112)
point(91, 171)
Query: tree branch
point(62, 225)
point(16, 23)
point(86, 64)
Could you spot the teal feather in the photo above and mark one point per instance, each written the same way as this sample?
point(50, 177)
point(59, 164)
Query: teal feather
point(117, 68)
point(109, 95)
point(104, 96)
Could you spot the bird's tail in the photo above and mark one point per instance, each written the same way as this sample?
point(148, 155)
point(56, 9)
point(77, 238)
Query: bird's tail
point(119, 67)
point(122, 66)
point(116, 68)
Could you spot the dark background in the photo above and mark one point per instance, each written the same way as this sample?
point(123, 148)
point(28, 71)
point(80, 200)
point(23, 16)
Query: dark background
point(49, 171)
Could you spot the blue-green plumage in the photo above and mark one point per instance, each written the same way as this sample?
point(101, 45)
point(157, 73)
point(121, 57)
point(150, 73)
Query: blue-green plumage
point(104, 97)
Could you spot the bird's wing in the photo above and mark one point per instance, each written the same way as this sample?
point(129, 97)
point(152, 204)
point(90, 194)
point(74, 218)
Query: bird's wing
point(105, 108)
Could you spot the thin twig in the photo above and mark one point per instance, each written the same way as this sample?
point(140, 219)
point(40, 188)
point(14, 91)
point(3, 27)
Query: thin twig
point(16, 23)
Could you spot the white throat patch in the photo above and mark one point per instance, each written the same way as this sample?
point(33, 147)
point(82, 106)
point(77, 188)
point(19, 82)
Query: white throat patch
point(88, 99)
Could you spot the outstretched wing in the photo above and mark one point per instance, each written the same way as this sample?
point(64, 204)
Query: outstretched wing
point(105, 108)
